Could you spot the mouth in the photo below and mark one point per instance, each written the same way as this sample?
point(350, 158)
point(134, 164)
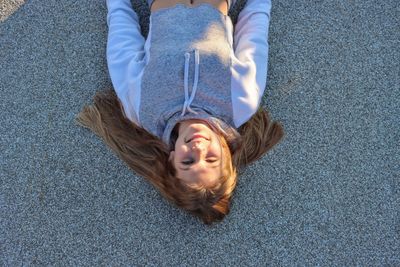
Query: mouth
point(196, 136)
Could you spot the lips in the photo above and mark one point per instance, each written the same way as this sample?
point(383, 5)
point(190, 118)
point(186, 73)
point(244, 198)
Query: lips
point(196, 136)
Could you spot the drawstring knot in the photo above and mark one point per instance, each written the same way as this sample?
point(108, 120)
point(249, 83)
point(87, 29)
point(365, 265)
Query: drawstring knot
point(189, 100)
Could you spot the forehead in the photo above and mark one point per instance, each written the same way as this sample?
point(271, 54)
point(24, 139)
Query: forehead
point(203, 176)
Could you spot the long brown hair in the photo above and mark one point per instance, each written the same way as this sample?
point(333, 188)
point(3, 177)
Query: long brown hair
point(148, 156)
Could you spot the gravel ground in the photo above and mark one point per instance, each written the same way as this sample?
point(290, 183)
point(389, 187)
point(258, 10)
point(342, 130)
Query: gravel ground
point(329, 194)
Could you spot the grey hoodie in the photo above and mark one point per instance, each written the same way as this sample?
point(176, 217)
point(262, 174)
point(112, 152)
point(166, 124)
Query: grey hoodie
point(188, 72)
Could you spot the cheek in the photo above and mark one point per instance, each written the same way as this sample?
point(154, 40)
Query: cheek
point(180, 151)
point(178, 144)
point(217, 149)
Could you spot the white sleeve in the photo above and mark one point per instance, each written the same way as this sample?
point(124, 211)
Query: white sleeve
point(125, 55)
point(250, 62)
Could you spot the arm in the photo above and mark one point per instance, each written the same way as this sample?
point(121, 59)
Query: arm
point(249, 76)
point(125, 55)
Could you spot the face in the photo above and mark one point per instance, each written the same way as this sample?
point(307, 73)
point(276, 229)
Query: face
point(198, 154)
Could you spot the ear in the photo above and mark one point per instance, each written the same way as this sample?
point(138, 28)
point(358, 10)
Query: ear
point(171, 156)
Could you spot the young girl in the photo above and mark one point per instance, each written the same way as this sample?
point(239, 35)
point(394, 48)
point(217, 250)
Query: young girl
point(185, 112)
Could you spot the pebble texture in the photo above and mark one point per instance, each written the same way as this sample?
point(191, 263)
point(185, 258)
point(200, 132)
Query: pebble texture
point(328, 195)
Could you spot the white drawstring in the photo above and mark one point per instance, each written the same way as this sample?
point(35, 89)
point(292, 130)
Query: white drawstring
point(188, 101)
point(187, 58)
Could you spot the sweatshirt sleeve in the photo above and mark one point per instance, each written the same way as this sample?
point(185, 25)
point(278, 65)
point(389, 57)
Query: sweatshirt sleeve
point(125, 55)
point(250, 62)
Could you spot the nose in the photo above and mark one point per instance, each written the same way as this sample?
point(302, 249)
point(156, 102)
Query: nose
point(198, 147)
point(199, 151)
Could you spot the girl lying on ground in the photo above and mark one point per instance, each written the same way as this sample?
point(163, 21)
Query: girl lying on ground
point(185, 110)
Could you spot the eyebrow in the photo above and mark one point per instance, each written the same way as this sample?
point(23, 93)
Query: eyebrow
point(188, 168)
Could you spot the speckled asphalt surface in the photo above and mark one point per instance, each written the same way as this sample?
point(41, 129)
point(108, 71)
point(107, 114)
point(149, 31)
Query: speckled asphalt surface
point(328, 195)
